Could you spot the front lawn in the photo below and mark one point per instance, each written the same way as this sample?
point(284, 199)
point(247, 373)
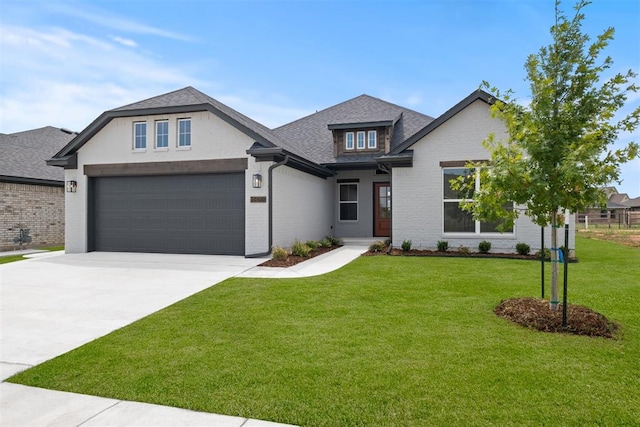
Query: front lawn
point(12, 258)
point(400, 341)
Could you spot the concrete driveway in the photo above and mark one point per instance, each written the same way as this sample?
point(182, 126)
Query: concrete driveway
point(55, 303)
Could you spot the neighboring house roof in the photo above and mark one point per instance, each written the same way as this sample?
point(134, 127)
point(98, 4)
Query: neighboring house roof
point(614, 205)
point(633, 203)
point(24, 155)
point(618, 198)
point(609, 191)
point(313, 136)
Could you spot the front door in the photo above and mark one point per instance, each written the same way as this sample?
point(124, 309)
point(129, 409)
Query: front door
point(382, 209)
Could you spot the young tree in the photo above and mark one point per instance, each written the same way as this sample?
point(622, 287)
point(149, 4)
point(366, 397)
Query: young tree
point(558, 153)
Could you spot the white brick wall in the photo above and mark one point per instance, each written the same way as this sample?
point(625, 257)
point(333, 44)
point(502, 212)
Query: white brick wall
point(303, 206)
point(257, 214)
point(417, 191)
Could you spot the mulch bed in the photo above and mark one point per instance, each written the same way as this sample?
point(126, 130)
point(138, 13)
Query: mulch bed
point(294, 259)
point(534, 313)
point(426, 253)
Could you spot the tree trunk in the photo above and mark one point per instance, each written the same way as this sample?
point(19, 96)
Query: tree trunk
point(553, 302)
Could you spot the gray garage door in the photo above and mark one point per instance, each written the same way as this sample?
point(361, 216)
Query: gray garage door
point(188, 214)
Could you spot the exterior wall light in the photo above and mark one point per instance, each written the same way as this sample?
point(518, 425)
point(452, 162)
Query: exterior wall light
point(72, 186)
point(257, 181)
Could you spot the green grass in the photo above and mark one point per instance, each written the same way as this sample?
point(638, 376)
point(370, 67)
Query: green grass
point(53, 248)
point(12, 258)
point(384, 341)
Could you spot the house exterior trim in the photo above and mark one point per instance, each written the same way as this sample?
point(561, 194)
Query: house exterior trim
point(460, 163)
point(31, 181)
point(361, 125)
point(404, 160)
point(67, 162)
point(276, 154)
point(475, 96)
point(189, 167)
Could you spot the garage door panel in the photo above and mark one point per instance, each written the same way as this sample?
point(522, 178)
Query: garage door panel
point(171, 214)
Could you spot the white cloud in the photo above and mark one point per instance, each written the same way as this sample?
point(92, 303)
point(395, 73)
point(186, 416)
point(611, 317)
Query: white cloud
point(62, 78)
point(124, 42)
point(414, 99)
point(116, 22)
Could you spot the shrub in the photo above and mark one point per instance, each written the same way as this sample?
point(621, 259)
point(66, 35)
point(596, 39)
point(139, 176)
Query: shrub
point(279, 254)
point(378, 246)
point(443, 245)
point(325, 243)
point(547, 254)
point(523, 249)
point(406, 245)
point(335, 241)
point(313, 244)
point(387, 242)
point(464, 250)
point(484, 247)
point(300, 249)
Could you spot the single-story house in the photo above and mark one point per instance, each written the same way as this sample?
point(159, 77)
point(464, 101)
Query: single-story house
point(618, 210)
point(184, 173)
point(31, 193)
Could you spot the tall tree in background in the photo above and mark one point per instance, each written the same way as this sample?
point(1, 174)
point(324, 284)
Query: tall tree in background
point(558, 154)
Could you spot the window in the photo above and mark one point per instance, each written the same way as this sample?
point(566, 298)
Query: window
point(348, 202)
point(348, 140)
point(372, 137)
point(360, 139)
point(457, 220)
point(184, 132)
point(162, 134)
point(139, 135)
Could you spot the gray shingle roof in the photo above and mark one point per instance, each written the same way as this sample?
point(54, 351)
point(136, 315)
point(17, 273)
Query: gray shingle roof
point(24, 153)
point(633, 203)
point(314, 139)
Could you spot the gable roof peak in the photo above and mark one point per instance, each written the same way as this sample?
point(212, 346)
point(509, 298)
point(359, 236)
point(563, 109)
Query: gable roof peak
point(185, 96)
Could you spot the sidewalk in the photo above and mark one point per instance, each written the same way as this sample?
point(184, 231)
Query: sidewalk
point(321, 264)
point(22, 405)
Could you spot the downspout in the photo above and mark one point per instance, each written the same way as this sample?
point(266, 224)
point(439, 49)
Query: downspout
point(270, 202)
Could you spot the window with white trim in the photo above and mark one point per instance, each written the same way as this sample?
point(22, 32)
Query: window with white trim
point(162, 134)
point(360, 140)
point(348, 140)
point(184, 132)
point(456, 220)
point(139, 135)
point(372, 139)
point(348, 202)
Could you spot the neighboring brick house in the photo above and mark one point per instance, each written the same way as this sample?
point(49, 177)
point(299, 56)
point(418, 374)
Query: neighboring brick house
point(31, 193)
point(183, 173)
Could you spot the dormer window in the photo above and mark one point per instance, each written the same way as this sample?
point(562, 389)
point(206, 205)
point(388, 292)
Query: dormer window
point(360, 139)
point(348, 140)
point(372, 138)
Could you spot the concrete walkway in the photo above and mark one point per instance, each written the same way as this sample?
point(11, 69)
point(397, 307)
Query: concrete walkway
point(53, 303)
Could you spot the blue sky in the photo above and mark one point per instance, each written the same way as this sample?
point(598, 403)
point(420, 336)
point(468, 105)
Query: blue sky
point(62, 63)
